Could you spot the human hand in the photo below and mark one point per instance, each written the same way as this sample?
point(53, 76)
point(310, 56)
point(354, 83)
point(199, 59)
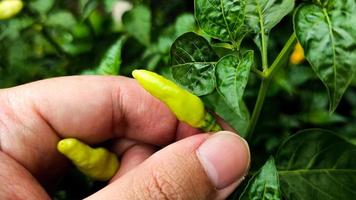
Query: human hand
point(35, 116)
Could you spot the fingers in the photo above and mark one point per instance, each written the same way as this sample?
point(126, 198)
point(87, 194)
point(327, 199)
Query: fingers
point(198, 167)
point(17, 183)
point(184, 130)
point(93, 109)
point(132, 157)
point(28, 139)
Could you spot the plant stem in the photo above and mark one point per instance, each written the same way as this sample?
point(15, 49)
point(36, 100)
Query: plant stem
point(268, 74)
point(258, 72)
point(264, 51)
point(278, 62)
point(258, 107)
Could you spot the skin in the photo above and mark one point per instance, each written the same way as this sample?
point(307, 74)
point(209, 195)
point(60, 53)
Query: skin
point(94, 109)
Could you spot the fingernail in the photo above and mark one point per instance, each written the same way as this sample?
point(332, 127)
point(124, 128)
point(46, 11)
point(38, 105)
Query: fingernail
point(225, 158)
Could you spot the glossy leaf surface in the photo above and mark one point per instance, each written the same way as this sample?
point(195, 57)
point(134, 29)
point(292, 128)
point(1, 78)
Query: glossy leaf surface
point(264, 185)
point(216, 103)
point(328, 35)
point(317, 164)
point(193, 63)
point(221, 19)
point(232, 74)
point(263, 15)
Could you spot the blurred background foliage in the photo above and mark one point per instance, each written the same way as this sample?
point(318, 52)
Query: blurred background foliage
point(55, 38)
point(52, 38)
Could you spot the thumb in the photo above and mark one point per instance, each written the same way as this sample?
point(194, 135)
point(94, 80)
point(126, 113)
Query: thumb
point(199, 167)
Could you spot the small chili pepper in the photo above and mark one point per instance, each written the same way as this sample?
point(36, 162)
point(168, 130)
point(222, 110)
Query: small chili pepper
point(99, 163)
point(297, 56)
point(9, 8)
point(185, 105)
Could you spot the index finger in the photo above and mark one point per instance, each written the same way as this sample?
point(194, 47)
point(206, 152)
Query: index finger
point(97, 108)
point(33, 117)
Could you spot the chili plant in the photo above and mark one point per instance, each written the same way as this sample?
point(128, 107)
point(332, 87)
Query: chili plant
point(229, 55)
point(313, 164)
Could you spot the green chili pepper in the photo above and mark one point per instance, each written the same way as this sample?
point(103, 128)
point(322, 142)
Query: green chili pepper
point(9, 8)
point(185, 105)
point(99, 164)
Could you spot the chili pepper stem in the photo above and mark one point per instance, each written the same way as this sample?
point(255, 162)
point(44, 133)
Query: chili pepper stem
point(209, 124)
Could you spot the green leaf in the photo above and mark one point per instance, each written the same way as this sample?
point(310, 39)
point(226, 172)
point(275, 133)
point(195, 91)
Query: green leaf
point(109, 5)
point(191, 47)
point(110, 64)
point(62, 19)
point(328, 36)
point(96, 20)
point(322, 117)
point(216, 103)
point(184, 23)
point(87, 7)
point(193, 67)
point(137, 23)
point(264, 185)
point(221, 19)
point(317, 164)
point(164, 44)
point(14, 28)
point(263, 15)
point(232, 74)
point(196, 77)
point(41, 6)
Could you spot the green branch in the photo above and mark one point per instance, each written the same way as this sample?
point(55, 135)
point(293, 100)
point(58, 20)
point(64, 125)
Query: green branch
point(268, 74)
point(264, 52)
point(278, 62)
point(258, 107)
point(258, 72)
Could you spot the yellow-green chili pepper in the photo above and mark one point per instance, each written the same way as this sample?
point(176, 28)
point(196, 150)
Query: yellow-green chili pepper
point(9, 8)
point(185, 105)
point(99, 163)
point(297, 56)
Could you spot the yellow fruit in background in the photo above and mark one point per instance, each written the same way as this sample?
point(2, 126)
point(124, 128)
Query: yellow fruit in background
point(297, 56)
point(9, 8)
